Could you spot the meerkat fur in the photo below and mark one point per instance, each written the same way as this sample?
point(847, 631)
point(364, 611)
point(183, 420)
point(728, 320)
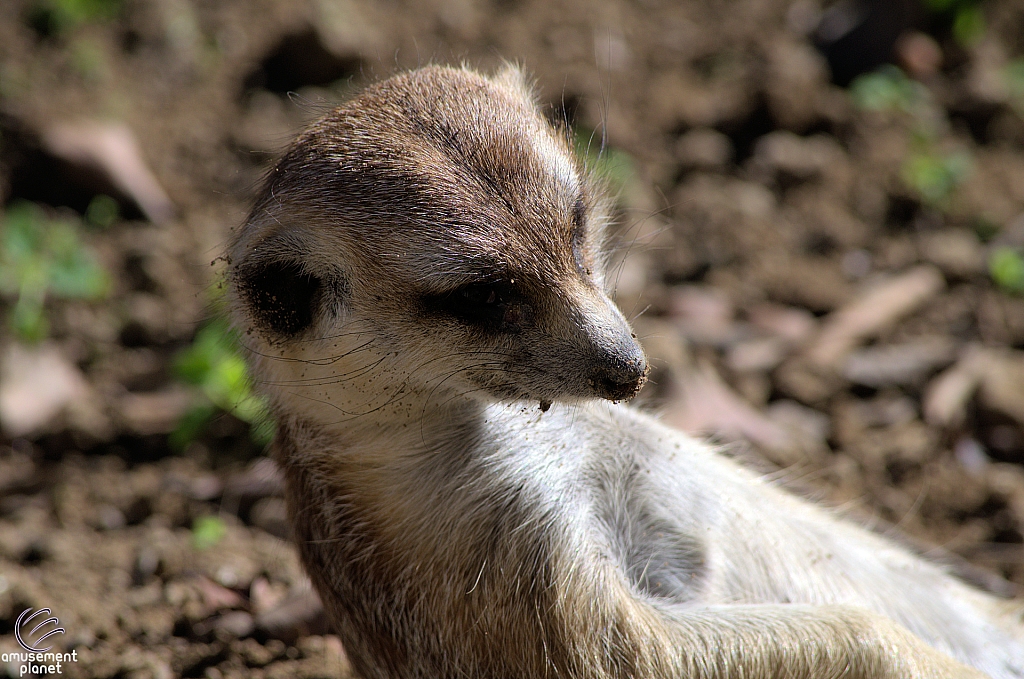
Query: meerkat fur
point(419, 272)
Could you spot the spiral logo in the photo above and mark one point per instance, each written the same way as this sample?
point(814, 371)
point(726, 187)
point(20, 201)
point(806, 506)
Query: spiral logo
point(43, 630)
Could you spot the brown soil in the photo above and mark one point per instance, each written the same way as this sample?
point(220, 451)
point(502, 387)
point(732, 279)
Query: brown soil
point(760, 211)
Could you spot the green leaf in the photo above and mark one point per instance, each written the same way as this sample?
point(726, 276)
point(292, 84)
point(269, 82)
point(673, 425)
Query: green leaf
point(1013, 78)
point(1006, 267)
point(59, 16)
point(935, 177)
point(887, 89)
point(215, 364)
point(985, 229)
point(968, 25)
point(207, 531)
point(191, 425)
point(42, 258)
point(28, 322)
point(610, 164)
point(102, 211)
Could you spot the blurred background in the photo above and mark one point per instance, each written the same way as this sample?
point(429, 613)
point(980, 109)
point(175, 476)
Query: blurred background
point(819, 237)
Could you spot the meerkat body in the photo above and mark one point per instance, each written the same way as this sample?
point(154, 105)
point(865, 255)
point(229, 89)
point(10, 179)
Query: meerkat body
point(421, 269)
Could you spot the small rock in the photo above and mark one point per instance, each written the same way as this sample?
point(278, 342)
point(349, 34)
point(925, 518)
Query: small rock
point(703, 149)
point(883, 411)
point(757, 355)
point(872, 312)
point(971, 456)
point(82, 638)
point(148, 595)
point(703, 314)
point(266, 125)
point(254, 653)
point(237, 624)
point(146, 565)
point(919, 54)
point(111, 151)
point(812, 427)
point(37, 385)
point(956, 251)
point(946, 397)
point(806, 382)
point(1005, 479)
point(111, 518)
point(156, 412)
point(301, 613)
point(795, 82)
point(17, 472)
point(815, 283)
point(704, 404)
point(793, 324)
point(264, 595)
point(857, 264)
point(217, 597)
point(898, 364)
point(1002, 385)
point(262, 478)
point(205, 487)
point(782, 153)
point(227, 576)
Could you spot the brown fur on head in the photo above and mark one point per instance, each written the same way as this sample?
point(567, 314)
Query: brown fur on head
point(442, 222)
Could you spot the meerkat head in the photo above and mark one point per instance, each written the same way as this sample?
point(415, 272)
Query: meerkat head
point(435, 234)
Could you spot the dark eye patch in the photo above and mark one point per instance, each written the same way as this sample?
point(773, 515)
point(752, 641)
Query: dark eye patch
point(493, 306)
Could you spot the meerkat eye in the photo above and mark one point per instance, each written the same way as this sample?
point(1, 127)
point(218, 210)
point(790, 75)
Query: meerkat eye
point(477, 295)
point(493, 306)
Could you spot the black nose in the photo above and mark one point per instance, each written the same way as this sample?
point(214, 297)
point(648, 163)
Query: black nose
point(621, 374)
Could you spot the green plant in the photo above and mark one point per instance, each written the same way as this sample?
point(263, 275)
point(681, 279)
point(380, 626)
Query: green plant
point(985, 228)
point(53, 17)
point(214, 363)
point(1006, 267)
point(1013, 79)
point(102, 211)
point(610, 164)
point(928, 170)
point(968, 24)
point(935, 175)
point(888, 89)
point(207, 531)
point(968, 19)
point(88, 59)
point(40, 258)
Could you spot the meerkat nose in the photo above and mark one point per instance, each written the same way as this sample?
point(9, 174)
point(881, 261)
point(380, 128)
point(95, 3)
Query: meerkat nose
point(622, 371)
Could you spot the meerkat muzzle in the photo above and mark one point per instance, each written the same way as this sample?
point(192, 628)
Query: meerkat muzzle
point(622, 372)
point(615, 366)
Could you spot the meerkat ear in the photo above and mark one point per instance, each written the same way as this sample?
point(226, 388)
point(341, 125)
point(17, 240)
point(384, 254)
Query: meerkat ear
point(511, 77)
point(282, 294)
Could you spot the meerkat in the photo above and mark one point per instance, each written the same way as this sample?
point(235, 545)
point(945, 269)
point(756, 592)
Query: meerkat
point(422, 270)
